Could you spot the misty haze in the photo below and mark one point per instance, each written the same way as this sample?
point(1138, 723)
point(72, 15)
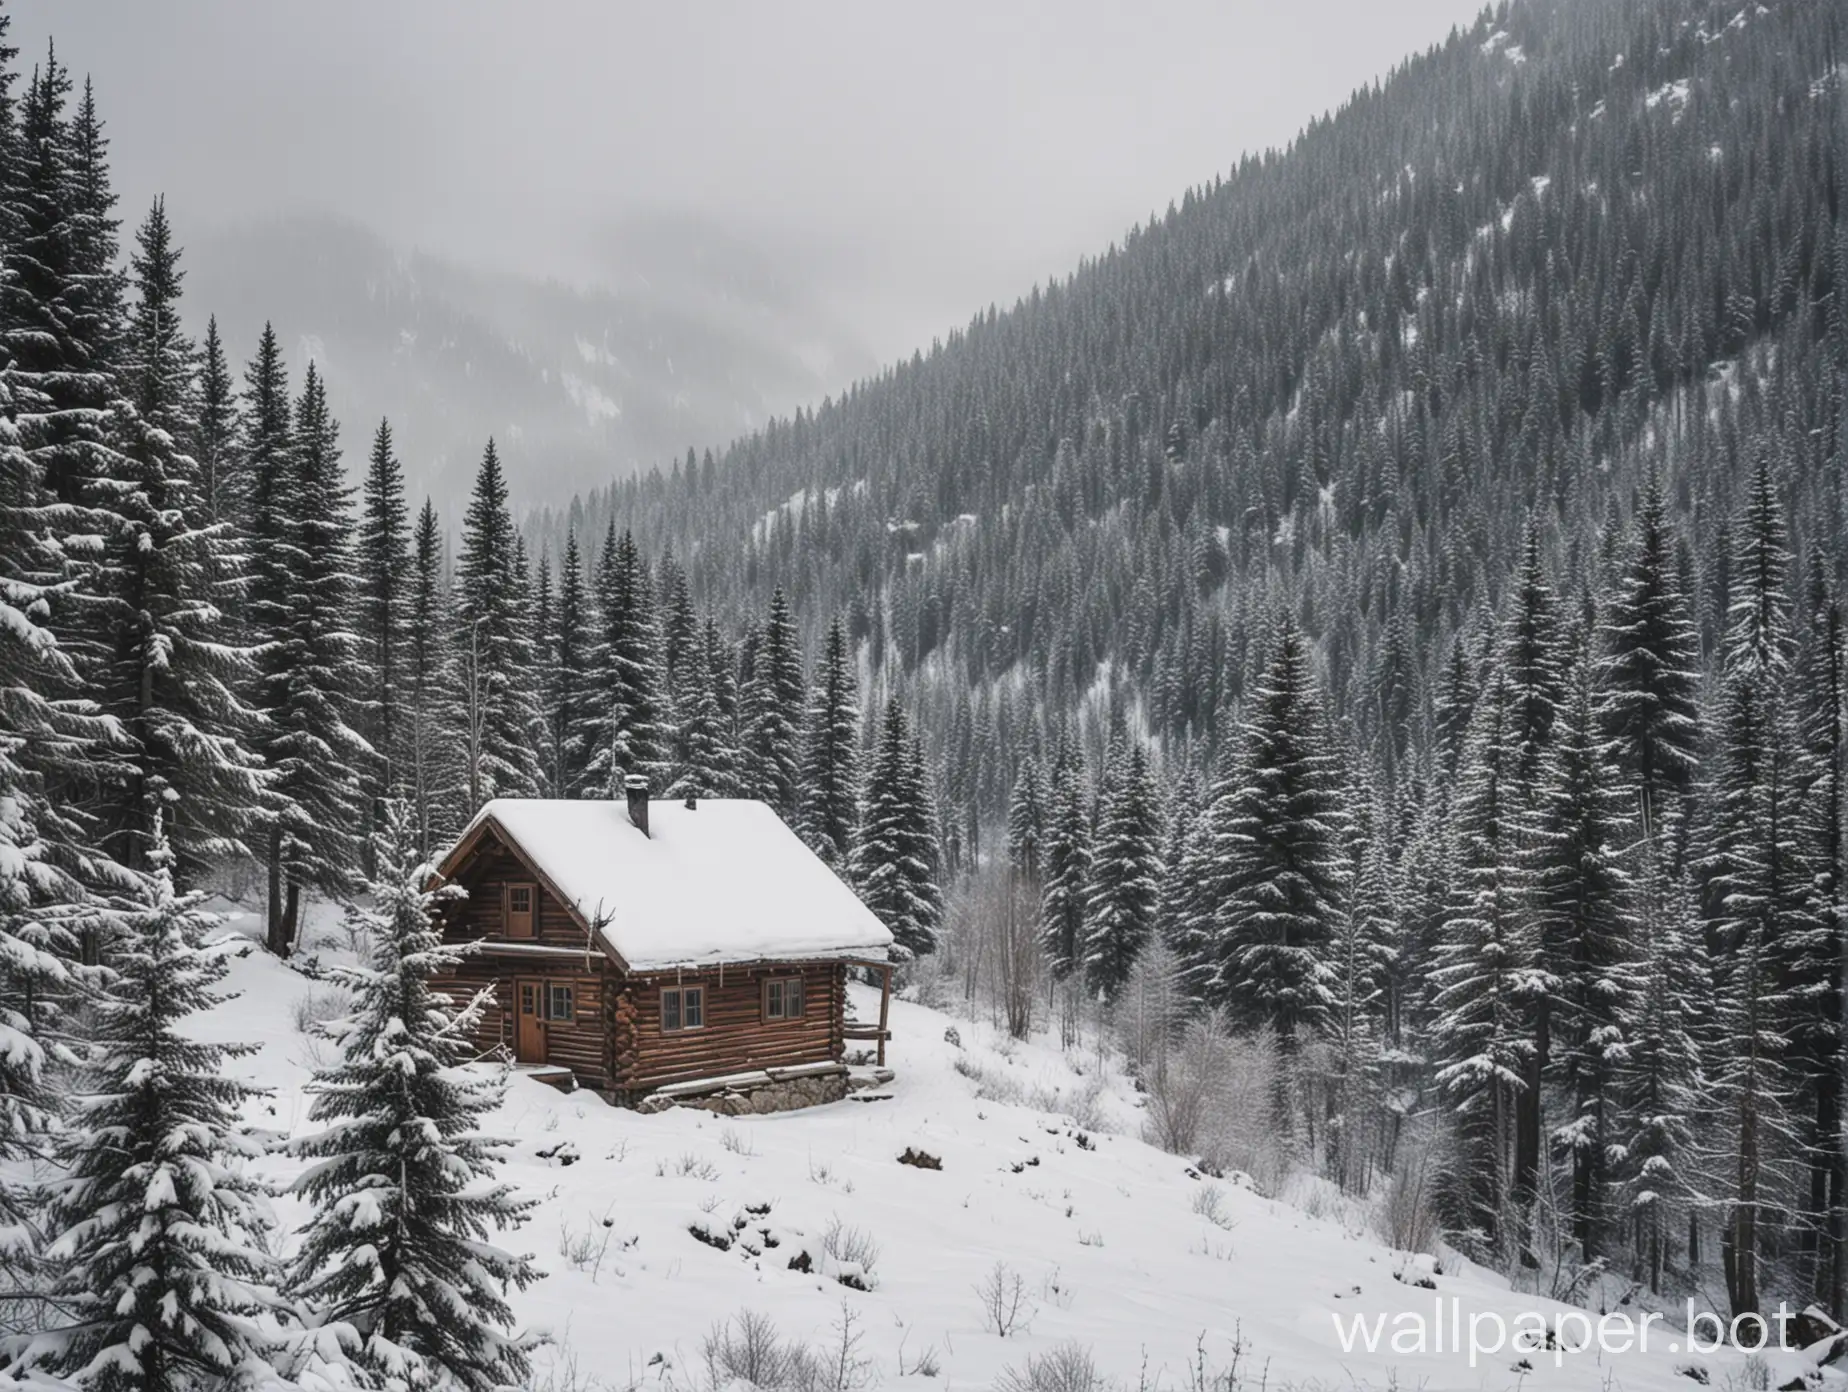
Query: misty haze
point(799, 696)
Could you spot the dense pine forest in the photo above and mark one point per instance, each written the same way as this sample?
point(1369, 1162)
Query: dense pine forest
point(1377, 631)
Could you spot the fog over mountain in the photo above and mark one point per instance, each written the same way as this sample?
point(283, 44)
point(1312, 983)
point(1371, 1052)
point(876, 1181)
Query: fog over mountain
point(753, 205)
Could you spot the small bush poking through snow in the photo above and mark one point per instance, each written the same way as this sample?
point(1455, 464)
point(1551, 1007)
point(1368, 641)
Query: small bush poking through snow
point(319, 1005)
point(1209, 1203)
point(1005, 1308)
point(736, 1142)
point(1067, 1367)
point(852, 1253)
point(922, 1159)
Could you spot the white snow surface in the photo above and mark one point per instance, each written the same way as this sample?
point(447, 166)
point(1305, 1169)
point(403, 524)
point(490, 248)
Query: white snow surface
point(725, 881)
point(1116, 1245)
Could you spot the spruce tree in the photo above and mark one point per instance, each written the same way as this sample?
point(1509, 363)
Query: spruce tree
point(706, 756)
point(1125, 888)
point(403, 1182)
point(494, 647)
point(830, 782)
point(214, 439)
point(1651, 673)
point(1482, 959)
point(773, 701)
point(312, 671)
point(1068, 865)
point(894, 864)
point(157, 1233)
point(383, 559)
point(574, 646)
point(431, 774)
point(1279, 840)
point(169, 676)
point(1585, 917)
point(630, 725)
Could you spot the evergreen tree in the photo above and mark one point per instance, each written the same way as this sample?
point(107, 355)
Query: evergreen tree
point(707, 758)
point(1026, 821)
point(494, 647)
point(169, 676)
point(430, 774)
point(772, 701)
point(1482, 959)
point(1279, 839)
point(572, 706)
point(1650, 675)
point(1068, 865)
point(630, 730)
point(214, 439)
point(157, 1233)
point(1585, 918)
point(830, 780)
point(894, 861)
point(383, 560)
point(312, 670)
point(404, 1184)
point(1125, 888)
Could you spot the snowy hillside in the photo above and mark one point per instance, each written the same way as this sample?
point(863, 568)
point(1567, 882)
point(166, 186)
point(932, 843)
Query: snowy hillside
point(1117, 1246)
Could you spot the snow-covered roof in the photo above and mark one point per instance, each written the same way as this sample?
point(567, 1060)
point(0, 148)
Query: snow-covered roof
point(725, 881)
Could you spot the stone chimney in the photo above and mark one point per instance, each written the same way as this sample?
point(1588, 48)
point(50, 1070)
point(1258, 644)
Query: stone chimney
point(636, 786)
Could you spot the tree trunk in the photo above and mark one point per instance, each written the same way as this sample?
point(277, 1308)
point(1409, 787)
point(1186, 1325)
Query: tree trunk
point(275, 938)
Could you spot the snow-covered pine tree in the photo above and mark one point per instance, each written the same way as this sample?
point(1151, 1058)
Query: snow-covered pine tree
point(156, 1231)
point(631, 725)
point(1480, 965)
point(679, 623)
point(47, 862)
point(431, 773)
point(1067, 862)
point(772, 710)
point(1651, 666)
point(1762, 887)
point(1814, 965)
point(266, 463)
point(1660, 1080)
point(494, 648)
point(707, 761)
point(404, 1184)
point(382, 557)
point(1531, 652)
point(1585, 919)
point(573, 650)
point(1125, 887)
point(830, 782)
point(893, 864)
point(170, 675)
point(1279, 838)
point(926, 843)
point(312, 669)
point(1026, 821)
point(214, 439)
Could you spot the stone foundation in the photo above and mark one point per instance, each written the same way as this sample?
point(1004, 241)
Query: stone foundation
point(757, 1099)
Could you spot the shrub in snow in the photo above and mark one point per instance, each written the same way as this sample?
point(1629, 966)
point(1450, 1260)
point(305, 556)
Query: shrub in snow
point(1067, 1367)
point(402, 1181)
point(1006, 1310)
point(923, 1160)
point(156, 1233)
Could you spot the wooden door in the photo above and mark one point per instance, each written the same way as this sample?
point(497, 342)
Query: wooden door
point(529, 1023)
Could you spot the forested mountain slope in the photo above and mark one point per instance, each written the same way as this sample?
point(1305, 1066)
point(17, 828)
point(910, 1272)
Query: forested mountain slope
point(1575, 243)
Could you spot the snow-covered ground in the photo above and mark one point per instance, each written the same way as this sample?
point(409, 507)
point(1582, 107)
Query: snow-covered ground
point(1117, 1246)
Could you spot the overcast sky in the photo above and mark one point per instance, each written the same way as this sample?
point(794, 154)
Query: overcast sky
point(904, 164)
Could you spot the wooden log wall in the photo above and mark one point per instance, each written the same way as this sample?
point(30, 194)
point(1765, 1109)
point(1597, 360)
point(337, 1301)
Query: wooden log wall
point(736, 1037)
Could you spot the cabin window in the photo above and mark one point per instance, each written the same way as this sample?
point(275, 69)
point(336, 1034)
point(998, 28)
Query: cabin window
point(518, 910)
point(559, 1001)
point(783, 998)
point(683, 1008)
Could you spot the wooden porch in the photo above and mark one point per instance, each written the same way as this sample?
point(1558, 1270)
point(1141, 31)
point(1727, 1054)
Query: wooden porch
point(881, 1032)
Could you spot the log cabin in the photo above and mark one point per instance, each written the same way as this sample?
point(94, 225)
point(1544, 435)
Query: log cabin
point(659, 949)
